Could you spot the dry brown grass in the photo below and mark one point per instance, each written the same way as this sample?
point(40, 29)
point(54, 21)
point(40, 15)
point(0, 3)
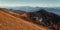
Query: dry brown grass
point(9, 22)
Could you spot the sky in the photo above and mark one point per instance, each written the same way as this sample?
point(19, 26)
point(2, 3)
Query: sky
point(33, 3)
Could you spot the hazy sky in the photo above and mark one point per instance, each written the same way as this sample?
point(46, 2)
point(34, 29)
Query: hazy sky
point(40, 3)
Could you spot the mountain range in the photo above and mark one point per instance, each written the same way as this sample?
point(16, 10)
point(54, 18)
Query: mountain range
point(33, 9)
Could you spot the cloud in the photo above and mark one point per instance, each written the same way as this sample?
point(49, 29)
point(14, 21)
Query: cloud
point(29, 4)
point(33, 3)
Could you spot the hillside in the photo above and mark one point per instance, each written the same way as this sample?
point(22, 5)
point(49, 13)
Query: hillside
point(8, 21)
point(46, 18)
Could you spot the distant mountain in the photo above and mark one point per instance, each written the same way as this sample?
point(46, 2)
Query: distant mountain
point(53, 10)
point(19, 11)
point(33, 9)
point(25, 8)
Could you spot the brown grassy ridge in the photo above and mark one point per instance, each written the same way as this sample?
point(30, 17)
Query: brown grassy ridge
point(10, 22)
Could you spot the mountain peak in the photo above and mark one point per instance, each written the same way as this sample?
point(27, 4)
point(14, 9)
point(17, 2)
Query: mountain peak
point(42, 10)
